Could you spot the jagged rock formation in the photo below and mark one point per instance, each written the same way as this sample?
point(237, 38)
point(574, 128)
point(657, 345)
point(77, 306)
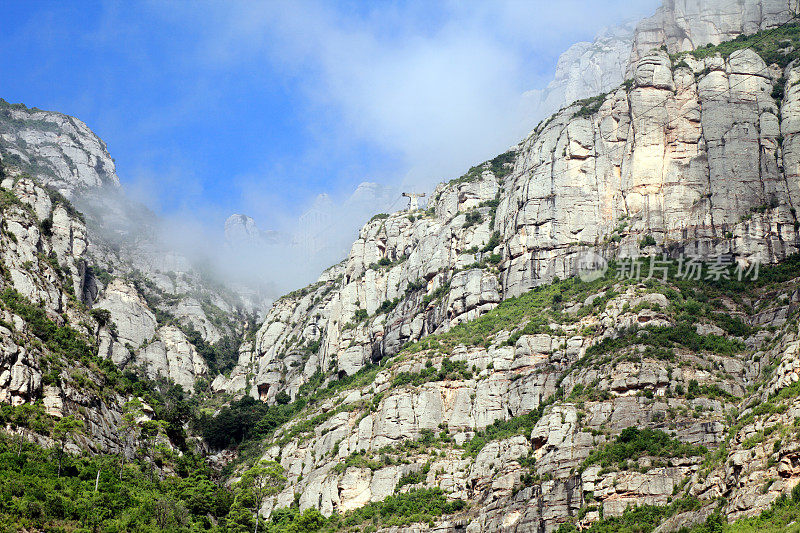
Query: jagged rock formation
point(590, 68)
point(123, 266)
point(58, 149)
point(241, 230)
point(585, 69)
point(683, 25)
point(668, 157)
point(696, 154)
point(421, 417)
point(45, 263)
point(445, 350)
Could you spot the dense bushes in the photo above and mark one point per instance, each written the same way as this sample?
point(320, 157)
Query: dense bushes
point(784, 512)
point(472, 218)
point(221, 356)
point(450, 370)
point(243, 419)
point(421, 505)
point(61, 340)
point(777, 45)
point(683, 334)
point(34, 497)
point(402, 509)
point(634, 443)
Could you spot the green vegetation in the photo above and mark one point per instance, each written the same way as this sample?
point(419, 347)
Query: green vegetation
point(422, 505)
point(102, 274)
point(221, 356)
point(436, 295)
point(246, 418)
point(647, 240)
point(589, 106)
point(386, 263)
point(503, 429)
point(473, 218)
point(60, 340)
point(494, 241)
point(103, 493)
point(643, 519)
point(634, 443)
point(450, 370)
point(682, 334)
point(500, 166)
point(387, 306)
point(777, 45)
point(379, 216)
point(540, 303)
point(782, 516)
point(7, 199)
point(492, 205)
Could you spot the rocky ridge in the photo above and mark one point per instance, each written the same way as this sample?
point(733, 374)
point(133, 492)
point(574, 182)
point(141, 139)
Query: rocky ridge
point(446, 351)
point(663, 164)
point(509, 411)
point(664, 160)
point(124, 268)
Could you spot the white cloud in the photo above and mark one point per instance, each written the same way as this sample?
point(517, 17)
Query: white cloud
point(442, 85)
point(439, 87)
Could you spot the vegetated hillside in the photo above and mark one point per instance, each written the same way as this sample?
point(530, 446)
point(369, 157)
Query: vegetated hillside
point(570, 403)
point(170, 318)
point(451, 374)
point(665, 163)
point(684, 414)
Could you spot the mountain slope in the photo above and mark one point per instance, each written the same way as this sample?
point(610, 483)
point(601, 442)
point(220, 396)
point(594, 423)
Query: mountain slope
point(667, 158)
point(664, 164)
point(453, 372)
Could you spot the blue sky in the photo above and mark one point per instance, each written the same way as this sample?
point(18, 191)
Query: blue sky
point(211, 108)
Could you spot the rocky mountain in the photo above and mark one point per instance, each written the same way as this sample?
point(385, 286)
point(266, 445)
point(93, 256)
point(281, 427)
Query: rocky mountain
point(585, 69)
point(455, 371)
point(693, 155)
point(683, 25)
point(157, 299)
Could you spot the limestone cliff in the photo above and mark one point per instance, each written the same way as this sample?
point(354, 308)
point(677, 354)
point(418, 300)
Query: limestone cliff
point(683, 25)
point(124, 267)
point(453, 348)
point(695, 154)
point(669, 156)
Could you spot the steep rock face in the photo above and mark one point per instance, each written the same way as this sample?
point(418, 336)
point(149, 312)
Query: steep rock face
point(399, 430)
point(43, 268)
point(669, 157)
point(590, 68)
point(111, 249)
point(60, 149)
point(692, 155)
point(586, 69)
point(683, 156)
point(394, 265)
point(683, 25)
point(139, 341)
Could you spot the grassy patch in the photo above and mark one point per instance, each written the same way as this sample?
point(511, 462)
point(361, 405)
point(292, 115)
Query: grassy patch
point(634, 443)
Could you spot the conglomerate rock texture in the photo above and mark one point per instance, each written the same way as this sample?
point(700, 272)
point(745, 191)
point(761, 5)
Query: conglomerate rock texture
point(449, 349)
point(696, 155)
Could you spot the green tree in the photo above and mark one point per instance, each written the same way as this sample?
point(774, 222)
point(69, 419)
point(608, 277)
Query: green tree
point(149, 432)
point(264, 479)
point(63, 430)
point(131, 412)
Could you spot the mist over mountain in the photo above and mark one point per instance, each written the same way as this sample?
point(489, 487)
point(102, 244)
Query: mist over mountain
point(594, 329)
